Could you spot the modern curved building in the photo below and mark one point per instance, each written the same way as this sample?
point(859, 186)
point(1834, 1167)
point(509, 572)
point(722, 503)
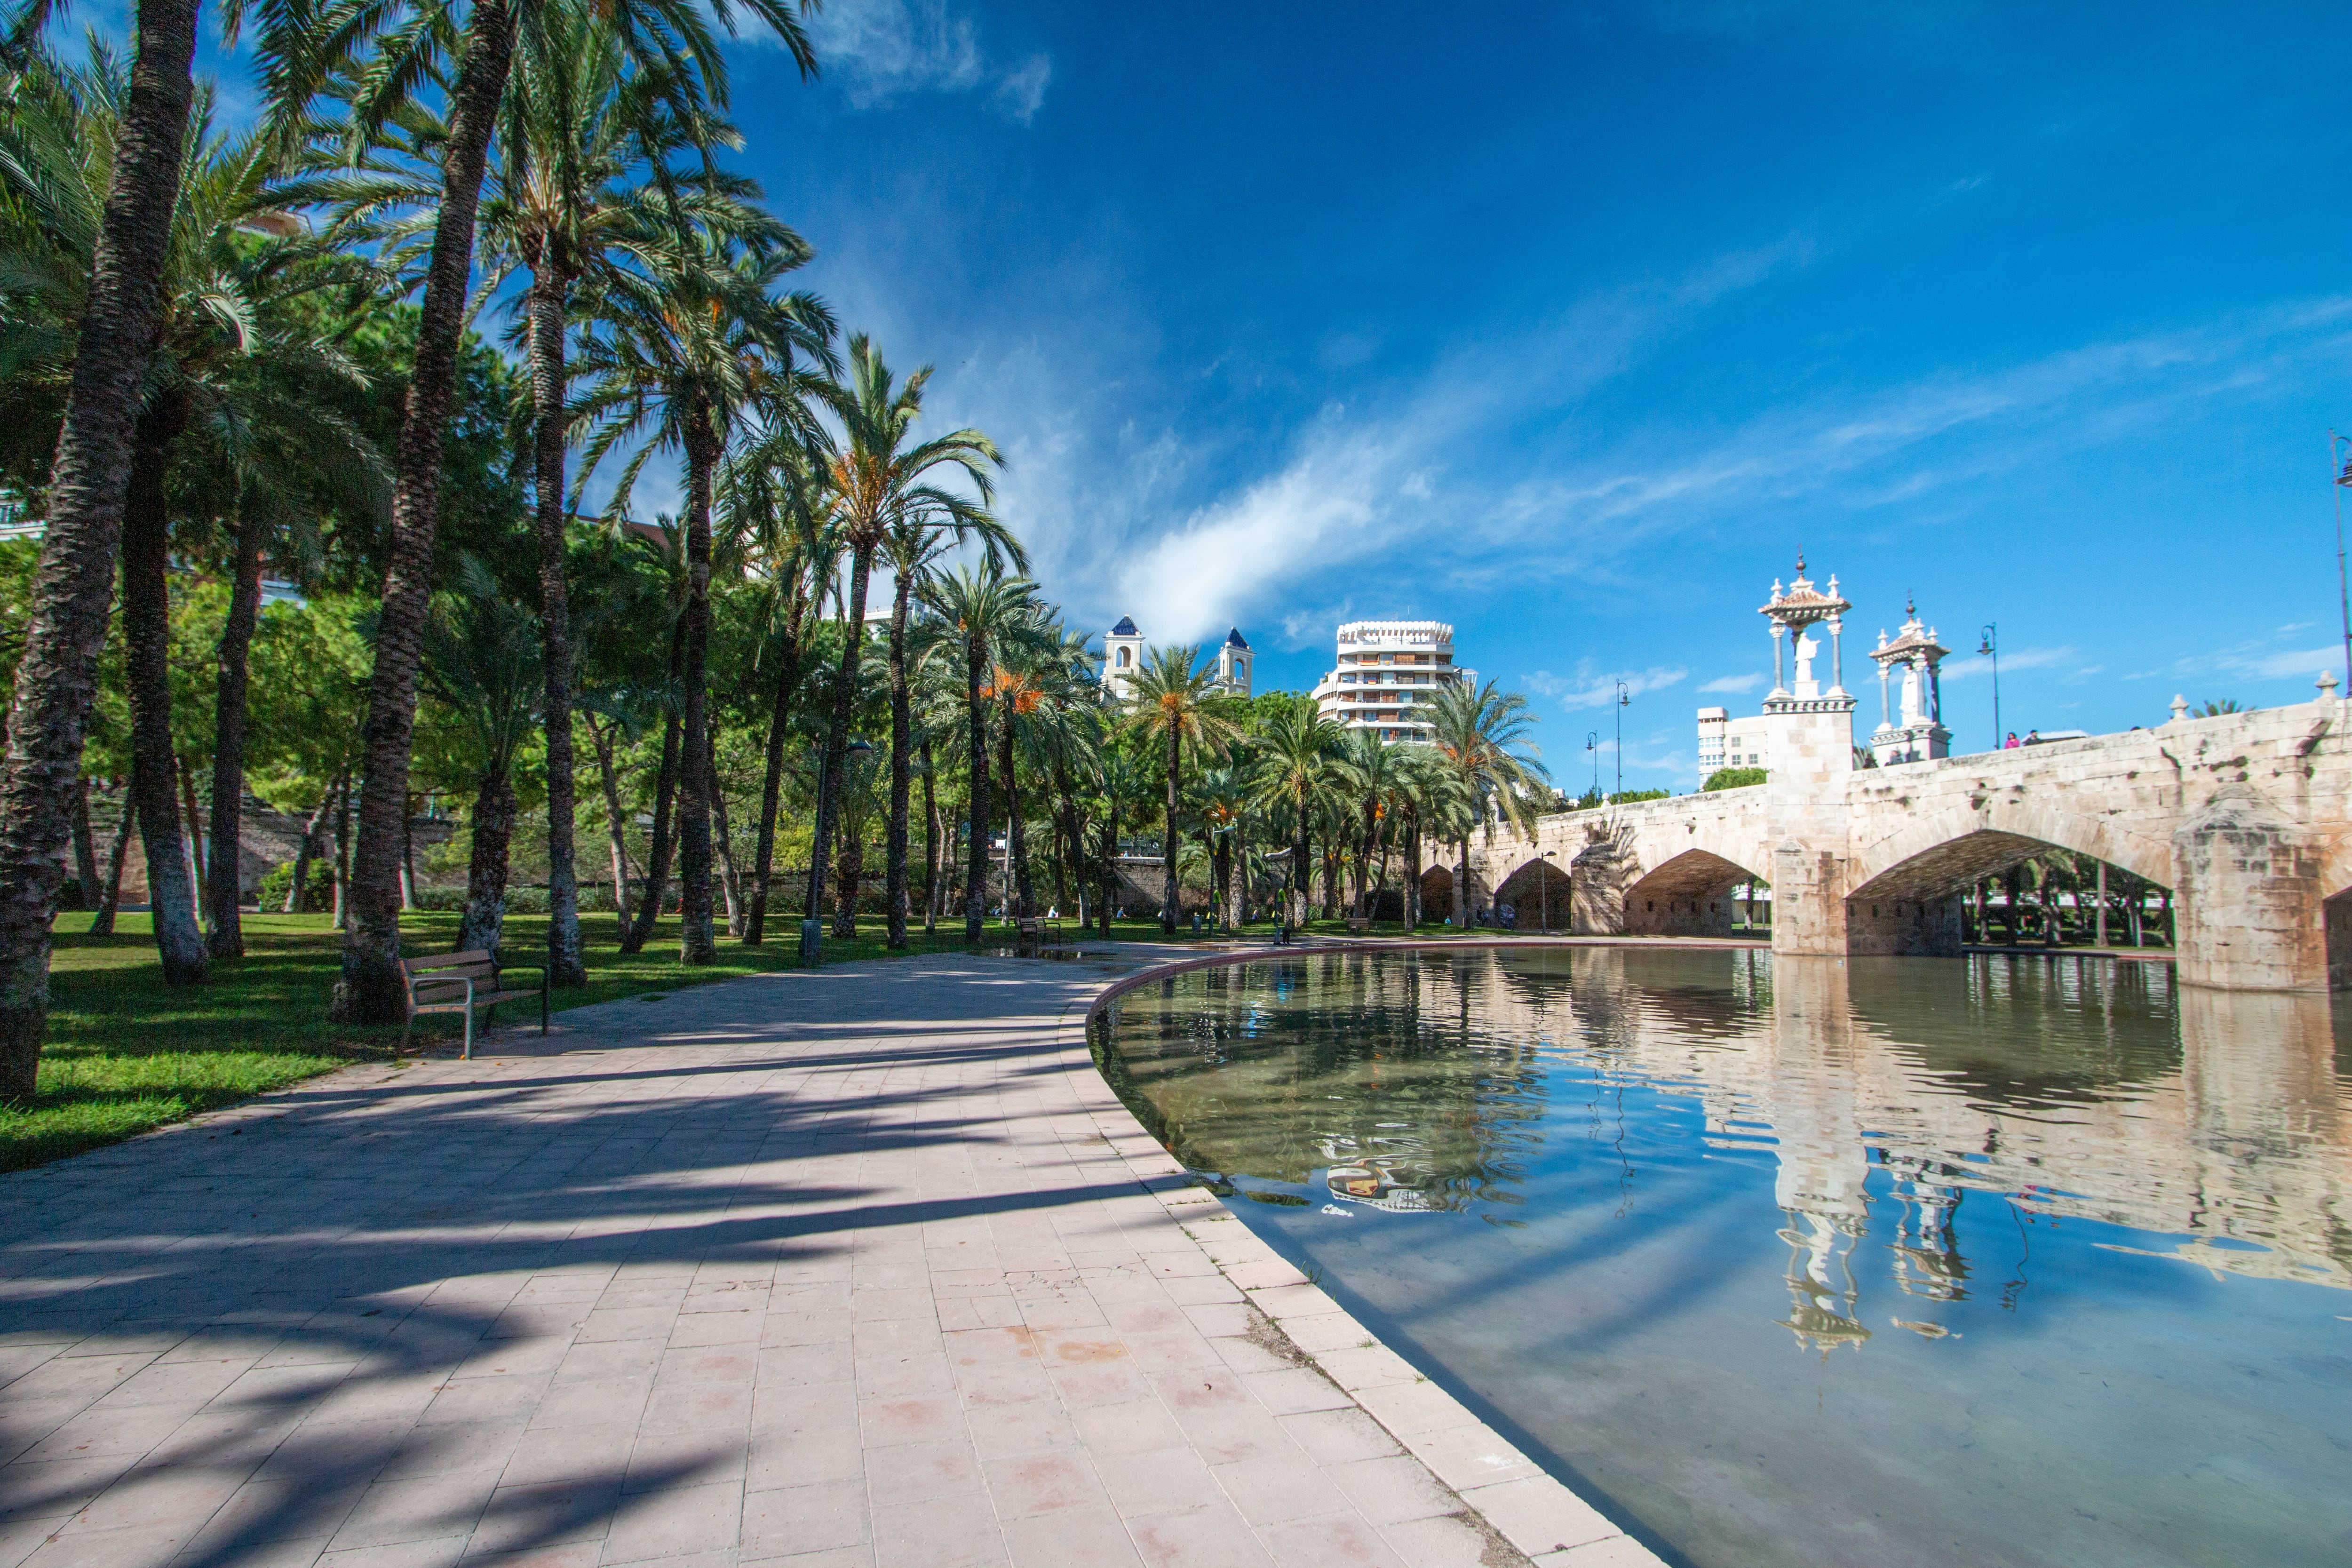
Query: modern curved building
point(1386, 674)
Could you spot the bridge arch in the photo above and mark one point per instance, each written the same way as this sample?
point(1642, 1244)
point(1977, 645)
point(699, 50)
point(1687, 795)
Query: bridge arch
point(1686, 895)
point(1904, 891)
point(1947, 850)
point(1539, 893)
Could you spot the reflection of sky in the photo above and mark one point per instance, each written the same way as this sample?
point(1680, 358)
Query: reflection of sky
point(1692, 1209)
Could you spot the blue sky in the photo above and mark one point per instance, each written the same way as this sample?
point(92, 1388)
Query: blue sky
point(1570, 323)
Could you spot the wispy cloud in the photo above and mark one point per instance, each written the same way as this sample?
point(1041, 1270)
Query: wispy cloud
point(1591, 689)
point(1732, 685)
point(2023, 659)
point(884, 49)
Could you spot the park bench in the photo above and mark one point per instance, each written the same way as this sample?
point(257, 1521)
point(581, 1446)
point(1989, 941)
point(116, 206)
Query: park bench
point(1359, 925)
point(465, 982)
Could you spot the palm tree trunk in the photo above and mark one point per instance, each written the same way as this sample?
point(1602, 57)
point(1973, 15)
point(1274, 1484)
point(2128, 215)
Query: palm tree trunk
point(1413, 876)
point(486, 866)
point(343, 868)
point(85, 851)
point(228, 937)
point(837, 740)
point(57, 674)
point(146, 621)
point(930, 846)
point(1363, 859)
point(1110, 862)
point(636, 933)
point(657, 854)
point(975, 888)
point(849, 869)
point(297, 896)
point(615, 824)
point(548, 286)
point(731, 884)
point(110, 901)
point(408, 853)
point(764, 860)
point(697, 942)
point(1461, 887)
point(1168, 839)
point(1301, 885)
point(370, 990)
point(1017, 835)
point(901, 747)
point(195, 838)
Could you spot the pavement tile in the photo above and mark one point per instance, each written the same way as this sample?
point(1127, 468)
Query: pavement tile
point(914, 1472)
point(145, 1498)
point(1616, 1552)
point(1211, 1537)
point(824, 1516)
point(1157, 1480)
point(419, 1508)
point(140, 1548)
point(1540, 1515)
point(1070, 1537)
point(523, 1518)
point(1339, 1541)
point(1392, 1490)
point(1045, 1483)
point(674, 1523)
point(543, 1454)
point(945, 1533)
point(1447, 1541)
point(1273, 1493)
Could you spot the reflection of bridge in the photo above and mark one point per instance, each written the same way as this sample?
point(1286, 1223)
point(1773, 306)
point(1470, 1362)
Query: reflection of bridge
point(2247, 817)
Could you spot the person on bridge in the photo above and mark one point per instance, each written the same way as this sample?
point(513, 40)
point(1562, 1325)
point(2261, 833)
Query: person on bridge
point(2011, 743)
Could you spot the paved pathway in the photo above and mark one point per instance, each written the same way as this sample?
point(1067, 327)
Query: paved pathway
point(858, 1265)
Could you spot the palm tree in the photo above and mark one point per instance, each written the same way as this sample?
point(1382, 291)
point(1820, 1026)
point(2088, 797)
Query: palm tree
point(678, 356)
point(1297, 761)
point(984, 610)
point(884, 485)
point(481, 664)
point(89, 483)
point(1170, 699)
point(1222, 795)
point(576, 127)
point(1372, 770)
point(1481, 736)
point(780, 506)
point(916, 541)
point(232, 364)
point(664, 36)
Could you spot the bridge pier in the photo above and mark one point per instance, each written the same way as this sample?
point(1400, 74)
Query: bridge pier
point(1597, 880)
point(2248, 904)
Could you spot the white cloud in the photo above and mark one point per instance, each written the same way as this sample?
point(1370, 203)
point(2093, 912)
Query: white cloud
point(884, 49)
point(2023, 659)
point(1731, 685)
point(1588, 688)
point(2279, 666)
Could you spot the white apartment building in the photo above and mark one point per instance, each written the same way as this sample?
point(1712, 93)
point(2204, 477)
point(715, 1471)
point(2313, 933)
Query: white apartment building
point(1388, 671)
point(1727, 743)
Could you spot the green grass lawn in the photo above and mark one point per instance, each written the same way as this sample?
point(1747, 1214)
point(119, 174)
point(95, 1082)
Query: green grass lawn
point(126, 1053)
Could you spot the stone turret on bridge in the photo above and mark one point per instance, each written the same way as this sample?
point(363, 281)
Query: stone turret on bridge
point(2246, 817)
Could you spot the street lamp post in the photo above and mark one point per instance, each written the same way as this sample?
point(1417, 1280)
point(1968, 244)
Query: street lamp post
point(1623, 698)
point(1593, 749)
point(1990, 647)
point(2343, 473)
point(1543, 882)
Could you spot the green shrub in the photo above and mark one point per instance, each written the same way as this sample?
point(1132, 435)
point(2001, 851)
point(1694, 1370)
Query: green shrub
point(1732, 778)
point(280, 881)
point(1627, 798)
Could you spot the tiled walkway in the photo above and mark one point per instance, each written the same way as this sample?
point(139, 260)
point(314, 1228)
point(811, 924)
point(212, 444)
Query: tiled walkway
point(859, 1266)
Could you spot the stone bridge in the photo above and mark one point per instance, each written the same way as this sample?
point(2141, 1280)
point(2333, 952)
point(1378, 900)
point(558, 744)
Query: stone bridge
point(2246, 817)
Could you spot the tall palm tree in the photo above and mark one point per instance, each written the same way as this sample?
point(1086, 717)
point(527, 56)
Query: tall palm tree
point(1372, 770)
point(234, 363)
point(881, 482)
point(670, 36)
point(780, 505)
point(984, 610)
point(1223, 796)
point(585, 147)
point(1296, 762)
point(1169, 699)
point(89, 483)
point(916, 540)
point(482, 654)
point(677, 356)
point(1481, 737)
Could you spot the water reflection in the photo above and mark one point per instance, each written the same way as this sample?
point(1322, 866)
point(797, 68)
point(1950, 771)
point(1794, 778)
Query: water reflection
point(2084, 1234)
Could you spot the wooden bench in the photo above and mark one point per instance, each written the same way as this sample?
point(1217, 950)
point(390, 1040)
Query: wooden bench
point(463, 983)
point(1359, 925)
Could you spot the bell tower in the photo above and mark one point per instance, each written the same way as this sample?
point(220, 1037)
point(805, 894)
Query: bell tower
point(1122, 657)
point(1910, 730)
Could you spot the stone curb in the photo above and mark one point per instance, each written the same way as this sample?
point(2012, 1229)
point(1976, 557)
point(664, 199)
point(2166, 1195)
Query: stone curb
point(1509, 1492)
